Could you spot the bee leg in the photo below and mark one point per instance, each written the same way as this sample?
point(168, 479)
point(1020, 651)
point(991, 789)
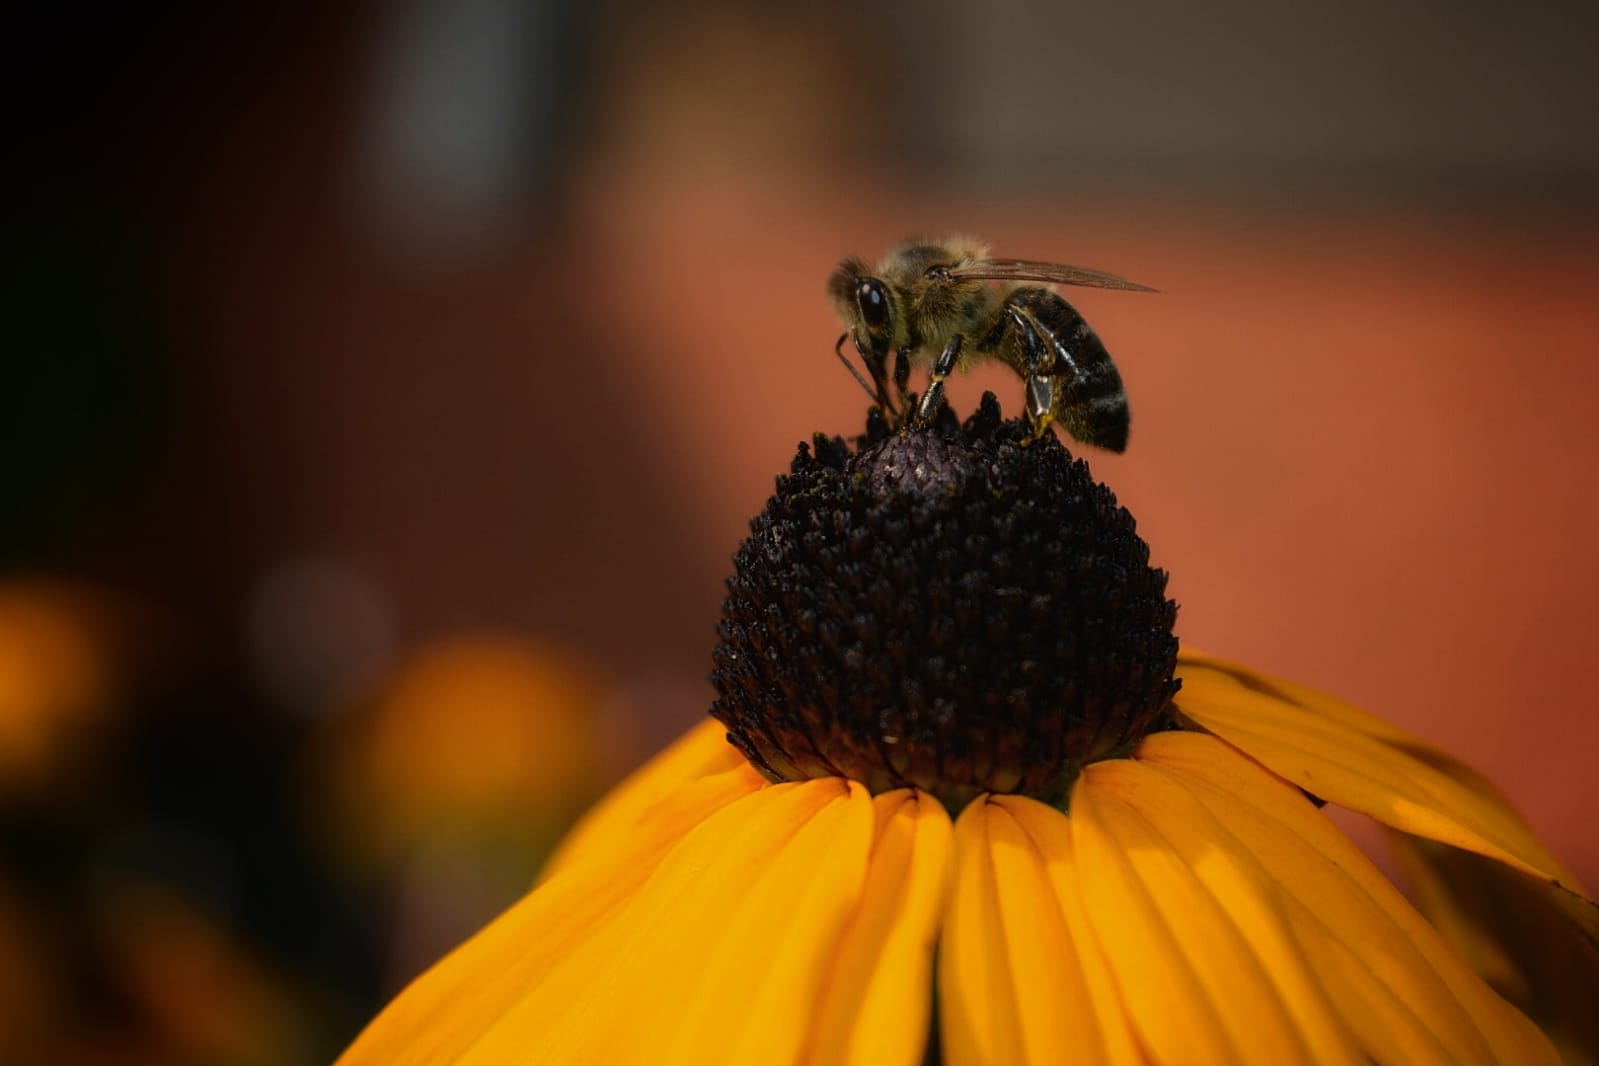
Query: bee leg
point(878, 389)
point(1041, 404)
point(933, 399)
point(838, 350)
point(1042, 368)
point(902, 379)
point(879, 373)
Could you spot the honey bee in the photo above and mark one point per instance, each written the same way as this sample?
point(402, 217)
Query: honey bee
point(934, 303)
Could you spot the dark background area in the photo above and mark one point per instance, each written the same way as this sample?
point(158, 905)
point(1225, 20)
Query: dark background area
point(386, 389)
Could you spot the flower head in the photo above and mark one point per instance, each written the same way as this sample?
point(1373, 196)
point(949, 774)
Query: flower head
point(957, 610)
point(965, 801)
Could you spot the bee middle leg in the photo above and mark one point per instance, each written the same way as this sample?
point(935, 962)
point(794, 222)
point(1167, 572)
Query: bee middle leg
point(943, 366)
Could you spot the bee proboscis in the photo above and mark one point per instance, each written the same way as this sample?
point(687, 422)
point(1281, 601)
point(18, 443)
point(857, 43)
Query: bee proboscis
point(946, 304)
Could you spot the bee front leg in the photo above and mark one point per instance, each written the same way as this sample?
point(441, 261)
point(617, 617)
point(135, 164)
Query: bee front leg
point(875, 366)
point(943, 366)
point(875, 390)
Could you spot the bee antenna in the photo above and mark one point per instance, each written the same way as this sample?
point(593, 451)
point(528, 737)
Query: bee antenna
point(838, 350)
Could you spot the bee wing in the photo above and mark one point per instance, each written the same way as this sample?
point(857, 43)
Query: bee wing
point(1054, 273)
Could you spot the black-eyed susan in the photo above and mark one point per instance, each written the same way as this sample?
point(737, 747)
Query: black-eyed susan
point(964, 801)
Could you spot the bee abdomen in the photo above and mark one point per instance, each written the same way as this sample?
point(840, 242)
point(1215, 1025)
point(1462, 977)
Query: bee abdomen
point(1089, 400)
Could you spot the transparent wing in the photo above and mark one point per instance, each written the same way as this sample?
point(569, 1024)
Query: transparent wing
point(1053, 273)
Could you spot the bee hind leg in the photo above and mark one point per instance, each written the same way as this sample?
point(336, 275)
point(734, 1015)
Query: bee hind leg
point(1041, 403)
point(1040, 367)
point(943, 366)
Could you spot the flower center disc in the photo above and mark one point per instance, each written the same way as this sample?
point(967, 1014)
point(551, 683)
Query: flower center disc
point(955, 608)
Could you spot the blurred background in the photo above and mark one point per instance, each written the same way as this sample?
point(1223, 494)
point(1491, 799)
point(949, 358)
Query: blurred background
point(387, 386)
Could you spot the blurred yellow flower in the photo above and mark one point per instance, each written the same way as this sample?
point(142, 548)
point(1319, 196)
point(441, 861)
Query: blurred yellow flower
point(483, 733)
point(60, 668)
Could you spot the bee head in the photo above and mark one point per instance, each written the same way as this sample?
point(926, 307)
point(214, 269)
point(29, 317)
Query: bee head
point(865, 305)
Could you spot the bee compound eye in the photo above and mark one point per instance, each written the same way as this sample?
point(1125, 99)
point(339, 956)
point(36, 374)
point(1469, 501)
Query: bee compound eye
point(873, 303)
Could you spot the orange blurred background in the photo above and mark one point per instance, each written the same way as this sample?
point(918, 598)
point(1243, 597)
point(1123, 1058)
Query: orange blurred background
point(458, 341)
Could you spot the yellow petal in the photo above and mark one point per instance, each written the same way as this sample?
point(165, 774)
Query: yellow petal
point(1109, 1037)
point(716, 954)
point(1509, 929)
point(1579, 911)
point(720, 957)
point(976, 992)
point(1018, 981)
point(1397, 985)
point(441, 1012)
point(1374, 1005)
point(1192, 664)
point(878, 995)
point(1333, 752)
point(1195, 932)
point(701, 752)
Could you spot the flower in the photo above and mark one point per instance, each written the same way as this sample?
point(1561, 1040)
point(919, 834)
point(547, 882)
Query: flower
point(477, 736)
point(70, 658)
point(965, 802)
point(444, 786)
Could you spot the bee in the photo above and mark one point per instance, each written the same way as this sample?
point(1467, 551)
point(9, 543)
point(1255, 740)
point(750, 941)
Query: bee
point(945, 304)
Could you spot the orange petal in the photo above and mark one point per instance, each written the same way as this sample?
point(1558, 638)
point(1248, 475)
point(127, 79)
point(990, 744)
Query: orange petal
point(1334, 752)
point(700, 753)
point(1196, 934)
point(878, 995)
point(1017, 982)
point(1510, 930)
point(698, 948)
point(1396, 984)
